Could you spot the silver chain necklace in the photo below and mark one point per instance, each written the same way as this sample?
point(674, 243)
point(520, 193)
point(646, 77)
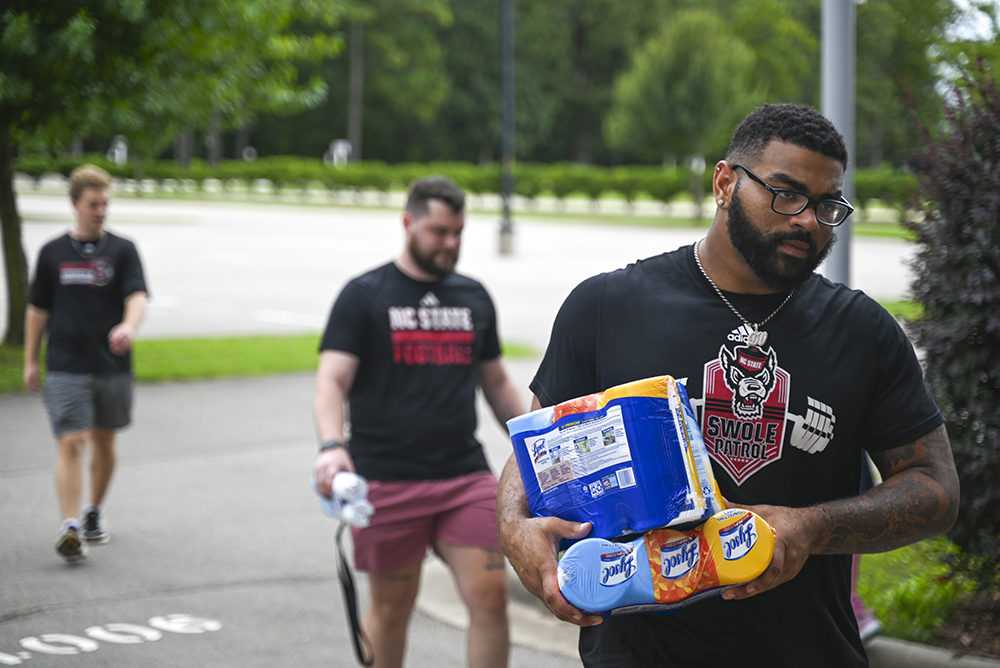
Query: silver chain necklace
point(88, 249)
point(757, 338)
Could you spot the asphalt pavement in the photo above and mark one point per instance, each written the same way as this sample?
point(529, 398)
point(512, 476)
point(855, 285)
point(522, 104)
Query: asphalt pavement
point(219, 554)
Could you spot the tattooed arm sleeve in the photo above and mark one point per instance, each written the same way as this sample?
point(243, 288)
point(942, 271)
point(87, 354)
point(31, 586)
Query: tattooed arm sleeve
point(917, 499)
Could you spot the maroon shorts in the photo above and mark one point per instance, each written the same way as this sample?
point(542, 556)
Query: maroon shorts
point(411, 516)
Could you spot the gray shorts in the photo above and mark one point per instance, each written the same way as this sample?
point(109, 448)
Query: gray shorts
point(80, 401)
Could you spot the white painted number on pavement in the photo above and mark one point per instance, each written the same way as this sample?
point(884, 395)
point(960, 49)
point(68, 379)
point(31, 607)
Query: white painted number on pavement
point(115, 633)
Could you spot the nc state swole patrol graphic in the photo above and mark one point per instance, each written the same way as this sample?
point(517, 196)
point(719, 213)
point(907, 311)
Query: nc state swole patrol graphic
point(746, 398)
point(745, 411)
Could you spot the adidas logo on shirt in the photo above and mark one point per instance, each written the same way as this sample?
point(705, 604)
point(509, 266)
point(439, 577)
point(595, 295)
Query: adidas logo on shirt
point(740, 334)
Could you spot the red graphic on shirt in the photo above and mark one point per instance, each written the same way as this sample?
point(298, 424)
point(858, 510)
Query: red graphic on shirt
point(746, 398)
point(95, 273)
point(431, 335)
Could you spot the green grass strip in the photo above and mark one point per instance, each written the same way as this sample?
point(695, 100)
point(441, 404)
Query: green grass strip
point(203, 358)
point(164, 360)
point(185, 359)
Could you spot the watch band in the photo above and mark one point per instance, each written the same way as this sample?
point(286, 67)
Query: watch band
point(331, 444)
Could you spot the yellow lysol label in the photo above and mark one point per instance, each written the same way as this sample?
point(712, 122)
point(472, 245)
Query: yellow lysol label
point(741, 544)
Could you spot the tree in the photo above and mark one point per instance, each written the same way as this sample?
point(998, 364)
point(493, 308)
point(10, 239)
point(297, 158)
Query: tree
point(401, 84)
point(468, 127)
point(787, 52)
point(688, 86)
point(898, 42)
point(958, 283)
point(143, 69)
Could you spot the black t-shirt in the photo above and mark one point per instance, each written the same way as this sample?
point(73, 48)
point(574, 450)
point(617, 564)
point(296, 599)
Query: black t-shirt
point(83, 287)
point(784, 426)
point(412, 404)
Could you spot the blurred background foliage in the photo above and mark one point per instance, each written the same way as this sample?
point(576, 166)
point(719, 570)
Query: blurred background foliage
point(598, 81)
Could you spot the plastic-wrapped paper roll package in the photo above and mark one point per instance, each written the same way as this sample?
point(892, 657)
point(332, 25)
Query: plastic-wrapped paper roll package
point(632, 462)
point(628, 460)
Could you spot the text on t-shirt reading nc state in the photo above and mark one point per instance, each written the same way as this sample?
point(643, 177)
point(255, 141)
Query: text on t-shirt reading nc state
point(431, 335)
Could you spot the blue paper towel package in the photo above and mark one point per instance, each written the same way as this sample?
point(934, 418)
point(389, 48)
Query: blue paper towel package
point(628, 460)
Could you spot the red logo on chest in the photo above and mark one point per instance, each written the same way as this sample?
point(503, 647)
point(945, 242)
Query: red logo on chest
point(746, 398)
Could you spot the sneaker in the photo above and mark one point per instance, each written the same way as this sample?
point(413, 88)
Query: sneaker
point(71, 546)
point(869, 626)
point(93, 529)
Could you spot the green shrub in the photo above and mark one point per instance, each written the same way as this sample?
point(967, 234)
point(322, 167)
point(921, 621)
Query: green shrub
point(892, 187)
point(958, 284)
point(563, 179)
point(627, 182)
point(664, 185)
point(593, 181)
point(911, 590)
point(529, 181)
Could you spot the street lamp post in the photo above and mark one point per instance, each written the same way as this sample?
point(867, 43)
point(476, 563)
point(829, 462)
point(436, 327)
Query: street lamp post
point(838, 100)
point(507, 124)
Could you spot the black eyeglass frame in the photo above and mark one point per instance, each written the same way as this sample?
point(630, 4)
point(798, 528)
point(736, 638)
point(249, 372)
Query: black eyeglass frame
point(810, 201)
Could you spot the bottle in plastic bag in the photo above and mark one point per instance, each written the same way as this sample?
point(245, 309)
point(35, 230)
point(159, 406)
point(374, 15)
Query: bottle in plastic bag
point(350, 499)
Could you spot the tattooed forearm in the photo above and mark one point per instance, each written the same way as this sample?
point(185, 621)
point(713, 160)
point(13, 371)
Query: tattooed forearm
point(918, 499)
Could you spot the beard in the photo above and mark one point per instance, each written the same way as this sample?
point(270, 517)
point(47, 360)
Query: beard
point(440, 263)
point(771, 267)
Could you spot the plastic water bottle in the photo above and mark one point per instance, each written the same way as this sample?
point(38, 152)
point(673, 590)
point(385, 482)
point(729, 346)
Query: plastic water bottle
point(597, 575)
point(349, 487)
point(350, 499)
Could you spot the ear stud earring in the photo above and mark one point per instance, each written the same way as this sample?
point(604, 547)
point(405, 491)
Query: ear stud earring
point(721, 202)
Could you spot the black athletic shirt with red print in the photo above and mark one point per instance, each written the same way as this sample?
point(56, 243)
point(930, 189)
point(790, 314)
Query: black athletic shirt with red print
point(83, 287)
point(784, 424)
point(412, 404)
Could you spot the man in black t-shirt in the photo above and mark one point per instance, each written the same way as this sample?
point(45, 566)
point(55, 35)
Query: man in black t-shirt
point(793, 377)
point(405, 348)
point(89, 295)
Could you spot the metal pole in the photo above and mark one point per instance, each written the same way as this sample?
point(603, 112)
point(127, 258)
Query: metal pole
point(838, 103)
point(507, 123)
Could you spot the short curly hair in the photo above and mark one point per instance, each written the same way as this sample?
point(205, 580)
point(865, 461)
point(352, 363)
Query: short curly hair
point(796, 124)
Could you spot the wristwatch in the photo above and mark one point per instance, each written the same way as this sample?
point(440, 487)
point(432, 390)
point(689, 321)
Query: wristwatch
point(331, 444)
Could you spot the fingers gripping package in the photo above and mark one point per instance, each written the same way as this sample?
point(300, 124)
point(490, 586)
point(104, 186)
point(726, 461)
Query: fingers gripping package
point(628, 460)
point(665, 570)
point(631, 460)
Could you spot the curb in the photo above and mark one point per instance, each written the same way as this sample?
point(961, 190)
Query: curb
point(895, 653)
point(534, 627)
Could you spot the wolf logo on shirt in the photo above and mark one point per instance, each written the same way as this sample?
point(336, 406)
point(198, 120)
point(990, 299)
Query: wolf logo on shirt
point(745, 412)
point(749, 374)
point(746, 399)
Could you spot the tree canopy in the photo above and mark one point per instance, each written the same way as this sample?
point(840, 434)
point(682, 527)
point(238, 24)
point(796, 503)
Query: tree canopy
point(597, 80)
point(147, 69)
point(688, 86)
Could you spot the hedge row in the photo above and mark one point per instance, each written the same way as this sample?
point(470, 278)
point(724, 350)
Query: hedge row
point(893, 188)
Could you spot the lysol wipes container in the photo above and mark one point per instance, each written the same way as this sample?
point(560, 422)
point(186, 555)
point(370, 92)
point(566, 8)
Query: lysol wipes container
point(597, 575)
point(664, 570)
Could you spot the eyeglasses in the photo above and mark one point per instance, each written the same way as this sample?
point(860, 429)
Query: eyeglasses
point(831, 212)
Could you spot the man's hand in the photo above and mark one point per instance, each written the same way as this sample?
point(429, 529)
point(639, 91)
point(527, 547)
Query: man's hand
point(120, 338)
point(31, 377)
point(531, 545)
point(795, 535)
point(329, 464)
